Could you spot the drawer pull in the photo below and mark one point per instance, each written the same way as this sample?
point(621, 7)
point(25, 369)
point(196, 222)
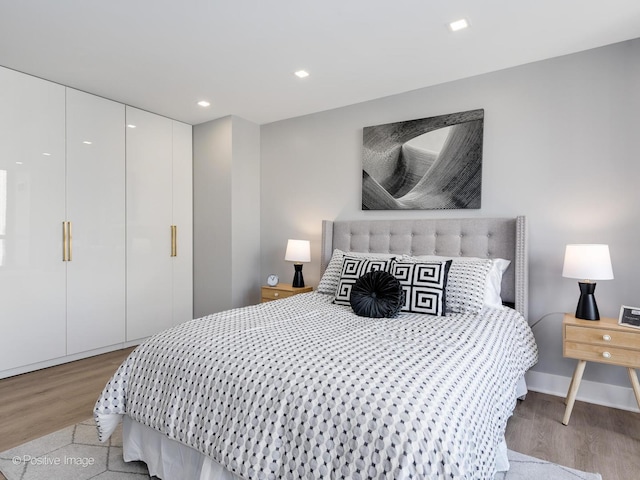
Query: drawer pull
point(276, 294)
point(606, 338)
point(606, 354)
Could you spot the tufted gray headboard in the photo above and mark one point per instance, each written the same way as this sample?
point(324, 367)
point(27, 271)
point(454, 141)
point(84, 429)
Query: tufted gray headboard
point(451, 237)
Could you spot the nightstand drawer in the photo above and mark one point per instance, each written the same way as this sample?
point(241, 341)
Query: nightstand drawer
point(282, 290)
point(603, 336)
point(602, 354)
point(271, 294)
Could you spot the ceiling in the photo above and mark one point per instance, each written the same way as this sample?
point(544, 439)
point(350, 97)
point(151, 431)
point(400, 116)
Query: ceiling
point(240, 55)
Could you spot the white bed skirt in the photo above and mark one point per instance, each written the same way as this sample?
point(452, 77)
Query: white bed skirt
point(171, 460)
point(166, 458)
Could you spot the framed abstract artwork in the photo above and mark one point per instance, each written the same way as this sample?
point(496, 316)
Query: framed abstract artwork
point(425, 164)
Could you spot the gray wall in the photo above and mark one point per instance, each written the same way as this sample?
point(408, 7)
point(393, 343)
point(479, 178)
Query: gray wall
point(245, 211)
point(561, 146)
point(226, 214)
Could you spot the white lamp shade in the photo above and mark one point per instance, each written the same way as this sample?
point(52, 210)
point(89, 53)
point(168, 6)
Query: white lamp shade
point(298, 251)
point(587, 262)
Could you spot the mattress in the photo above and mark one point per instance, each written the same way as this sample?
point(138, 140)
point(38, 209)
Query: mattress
point(303, 388)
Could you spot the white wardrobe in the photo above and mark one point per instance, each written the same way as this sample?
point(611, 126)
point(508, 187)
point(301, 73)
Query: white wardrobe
point(159, 223)
point(95, 224)
point(32, 209)
point(95, 198)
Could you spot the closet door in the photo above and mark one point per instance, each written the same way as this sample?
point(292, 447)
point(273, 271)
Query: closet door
point(183, 221)
point(149, 220)
point(96, 212)
point(32, 207)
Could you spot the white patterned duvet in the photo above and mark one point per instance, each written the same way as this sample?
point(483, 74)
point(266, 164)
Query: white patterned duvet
point(302, 388)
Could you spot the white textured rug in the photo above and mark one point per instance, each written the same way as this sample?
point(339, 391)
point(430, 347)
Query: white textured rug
point(74, 453)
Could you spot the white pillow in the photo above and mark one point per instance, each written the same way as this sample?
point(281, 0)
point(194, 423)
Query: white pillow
point(331, 276)
point(477, 276)
point(492, 294)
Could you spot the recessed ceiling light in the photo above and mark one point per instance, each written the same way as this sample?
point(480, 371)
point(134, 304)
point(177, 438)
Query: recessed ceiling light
point(458, 25)
point(203, 103)
point(18, 163)
point(87, 142)
point(301, 73)
point(131, 126)
point(46, 154)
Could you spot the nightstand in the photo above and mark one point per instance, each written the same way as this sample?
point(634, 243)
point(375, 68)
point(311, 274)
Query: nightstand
point(601, 341)
point(282, 290)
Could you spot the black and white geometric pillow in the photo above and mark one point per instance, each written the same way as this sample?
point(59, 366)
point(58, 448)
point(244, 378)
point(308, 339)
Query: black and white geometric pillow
point(473, 282)
point(352, 269)
point(424, 285)
point(331, 276)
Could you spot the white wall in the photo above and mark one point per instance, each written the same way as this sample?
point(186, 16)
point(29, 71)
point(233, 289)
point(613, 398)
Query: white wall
point(561, 146)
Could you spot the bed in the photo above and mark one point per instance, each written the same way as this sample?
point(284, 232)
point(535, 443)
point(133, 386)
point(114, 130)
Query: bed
point(304, 388)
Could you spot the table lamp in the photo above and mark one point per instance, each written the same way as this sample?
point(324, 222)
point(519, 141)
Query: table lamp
point(587, 263)
point(298, 251)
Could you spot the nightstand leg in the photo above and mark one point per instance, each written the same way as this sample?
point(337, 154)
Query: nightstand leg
point(573, 390)
point(566, 399)
point(634, 383)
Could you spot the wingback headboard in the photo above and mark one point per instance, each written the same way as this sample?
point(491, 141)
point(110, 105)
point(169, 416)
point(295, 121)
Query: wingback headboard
point(451, 237)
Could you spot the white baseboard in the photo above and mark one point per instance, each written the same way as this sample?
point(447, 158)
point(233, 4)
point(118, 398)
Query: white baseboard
point(66, 359)
point(591, 392)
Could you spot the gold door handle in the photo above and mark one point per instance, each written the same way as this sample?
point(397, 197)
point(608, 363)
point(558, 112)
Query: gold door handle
point(67, 242)
point(174, 241)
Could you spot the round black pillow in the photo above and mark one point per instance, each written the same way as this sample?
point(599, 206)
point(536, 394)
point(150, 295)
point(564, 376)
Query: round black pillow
point(377, 294)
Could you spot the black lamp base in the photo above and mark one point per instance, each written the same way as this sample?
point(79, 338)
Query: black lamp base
point(298, 280)
point(587, 308)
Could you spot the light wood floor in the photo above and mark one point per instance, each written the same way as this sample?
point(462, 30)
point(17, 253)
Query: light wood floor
point(41, 402)
point(597, 439)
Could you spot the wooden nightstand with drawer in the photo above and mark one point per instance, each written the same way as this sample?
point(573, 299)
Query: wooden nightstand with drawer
point(282, 290)
point(601, 341)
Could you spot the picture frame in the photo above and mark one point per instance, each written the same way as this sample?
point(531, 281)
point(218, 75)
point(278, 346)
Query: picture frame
point(629, 316)
point(431, 163)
